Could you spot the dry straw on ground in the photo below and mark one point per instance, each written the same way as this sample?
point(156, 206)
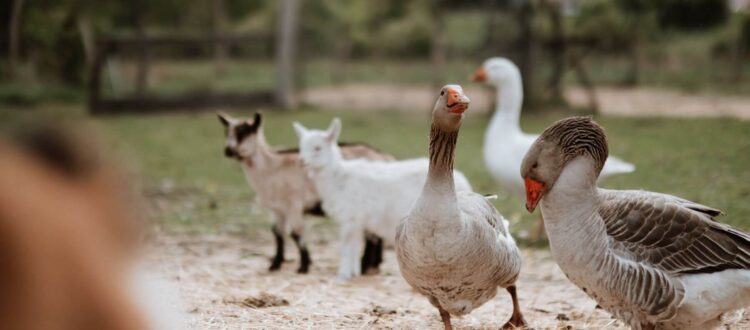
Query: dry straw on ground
point(225, 284)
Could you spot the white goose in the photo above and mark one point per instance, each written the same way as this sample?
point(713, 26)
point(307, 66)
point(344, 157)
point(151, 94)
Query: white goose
point(654, 261)
point(455, 247)
point(504, 143)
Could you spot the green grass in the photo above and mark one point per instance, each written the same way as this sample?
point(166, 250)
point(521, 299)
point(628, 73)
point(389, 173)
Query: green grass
point(174, 77)
point(699, 72)
point(177, 163)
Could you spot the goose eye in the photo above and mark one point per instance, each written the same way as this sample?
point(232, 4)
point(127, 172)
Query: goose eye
point(317, 149)
point(442, 93)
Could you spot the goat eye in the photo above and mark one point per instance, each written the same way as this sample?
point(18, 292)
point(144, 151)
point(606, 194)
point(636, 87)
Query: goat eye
point(317, 148)
point(535, 165)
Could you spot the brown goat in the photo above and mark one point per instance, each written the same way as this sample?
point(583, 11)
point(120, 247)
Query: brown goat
point(282, 186)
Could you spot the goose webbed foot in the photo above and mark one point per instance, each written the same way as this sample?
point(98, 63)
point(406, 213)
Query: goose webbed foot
point(446, 319)
point(516, 319)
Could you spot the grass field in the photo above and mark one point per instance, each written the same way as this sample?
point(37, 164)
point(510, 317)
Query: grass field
point(177, 162)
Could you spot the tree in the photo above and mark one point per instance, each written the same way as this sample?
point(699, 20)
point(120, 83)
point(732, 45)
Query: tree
point(438, 50)
point(559, 48)
point(13, 38)
point(286, 39)
point(218, 25)
point(526, 48)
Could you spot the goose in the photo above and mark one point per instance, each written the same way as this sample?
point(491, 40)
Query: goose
point(455, 247)
point(505, 143)
point(653, 260)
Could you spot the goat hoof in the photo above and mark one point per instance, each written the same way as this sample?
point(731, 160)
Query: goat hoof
point(275, 265)
point(302, 270)
point(371, 271)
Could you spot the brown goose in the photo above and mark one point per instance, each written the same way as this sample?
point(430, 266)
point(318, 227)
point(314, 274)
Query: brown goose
point(455, 247)
point(654, 261)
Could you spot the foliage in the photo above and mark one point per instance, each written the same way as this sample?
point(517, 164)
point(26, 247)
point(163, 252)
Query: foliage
point(614, 24)
point(691, 14)
point(388, 31)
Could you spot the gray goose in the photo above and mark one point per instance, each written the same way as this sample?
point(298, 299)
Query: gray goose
point(455, 247)
point(652, 260)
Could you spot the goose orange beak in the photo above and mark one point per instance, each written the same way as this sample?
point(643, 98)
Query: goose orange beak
point(534, 192)
point(479, 75)
point(457, 101)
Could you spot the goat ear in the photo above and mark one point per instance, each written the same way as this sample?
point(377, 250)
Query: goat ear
point(334, 130)
point(299, 129)
point(224, 118)
point(258, 120)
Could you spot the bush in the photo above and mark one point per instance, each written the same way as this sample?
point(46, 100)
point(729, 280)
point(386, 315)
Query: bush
point(691, 14)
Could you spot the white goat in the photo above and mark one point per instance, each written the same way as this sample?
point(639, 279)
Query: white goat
point(361, 195)
point(282, 186)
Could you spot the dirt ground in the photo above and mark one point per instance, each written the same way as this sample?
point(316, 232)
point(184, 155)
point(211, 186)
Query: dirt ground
point(224, 284)
point(636, 102)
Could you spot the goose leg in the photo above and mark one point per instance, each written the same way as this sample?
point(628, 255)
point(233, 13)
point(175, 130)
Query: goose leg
point(516, 319)
point(446, 319)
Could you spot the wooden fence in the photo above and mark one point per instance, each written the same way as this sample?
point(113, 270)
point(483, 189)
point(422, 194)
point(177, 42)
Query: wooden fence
point(140, 101)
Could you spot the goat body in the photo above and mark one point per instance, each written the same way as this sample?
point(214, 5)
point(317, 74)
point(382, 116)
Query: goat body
point(281, 184)
point(363, 196)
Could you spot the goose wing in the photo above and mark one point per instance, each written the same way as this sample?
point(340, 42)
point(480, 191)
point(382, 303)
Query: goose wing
point(672, 234)
point(479, 208)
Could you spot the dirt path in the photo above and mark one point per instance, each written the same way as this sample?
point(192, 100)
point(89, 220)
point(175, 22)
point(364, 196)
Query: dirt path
point(647, 102)
point(221, 277)
point(639, 102)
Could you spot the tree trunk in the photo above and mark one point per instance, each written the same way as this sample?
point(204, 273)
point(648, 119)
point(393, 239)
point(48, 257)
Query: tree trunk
point(438, 50)
point(141, 74)
point(13, 38)
point(635, 63)
point(343, 54)
point(87, 38)
point(490, 38)
point(526, 45)
point(218, 25)
point(286, 40)
point(738, 52)
point(558, 50)
point(585, 81)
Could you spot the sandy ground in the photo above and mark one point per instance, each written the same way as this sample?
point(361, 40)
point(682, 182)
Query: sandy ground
point(647, 102)
point(224, 284)
point(635, 102)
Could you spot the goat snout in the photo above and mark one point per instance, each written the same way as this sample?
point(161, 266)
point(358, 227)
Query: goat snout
point(230, 152)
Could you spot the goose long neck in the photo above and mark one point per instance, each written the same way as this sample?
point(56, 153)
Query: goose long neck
point(442, 153)
point(509, 99)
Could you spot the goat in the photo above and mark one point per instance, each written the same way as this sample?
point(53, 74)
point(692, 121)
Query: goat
point(362, 195)
point(282, 186)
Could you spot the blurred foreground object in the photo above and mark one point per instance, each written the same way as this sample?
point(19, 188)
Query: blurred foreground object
point(67, 239)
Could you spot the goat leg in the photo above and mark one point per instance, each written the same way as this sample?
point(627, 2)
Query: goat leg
point(304, 255)
point(278, 259)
